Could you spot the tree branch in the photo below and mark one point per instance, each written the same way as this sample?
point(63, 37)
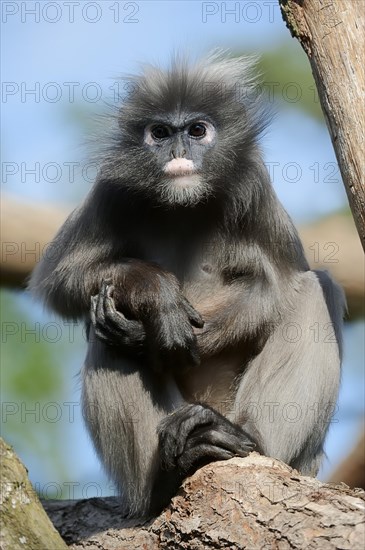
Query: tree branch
point(332, 35)
point(255, 503)
point(330, 243)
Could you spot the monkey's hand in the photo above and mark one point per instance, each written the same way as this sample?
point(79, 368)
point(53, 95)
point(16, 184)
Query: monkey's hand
point(111, 326)
point(171, 340)
point(161, 327)
point(195, 435)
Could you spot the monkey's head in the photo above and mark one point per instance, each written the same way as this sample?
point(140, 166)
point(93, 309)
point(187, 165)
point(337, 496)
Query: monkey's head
point(188, 135)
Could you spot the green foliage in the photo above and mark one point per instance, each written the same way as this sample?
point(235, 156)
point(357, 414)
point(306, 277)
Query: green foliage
point(288, 77)
point(28, 371)
point(32, 380)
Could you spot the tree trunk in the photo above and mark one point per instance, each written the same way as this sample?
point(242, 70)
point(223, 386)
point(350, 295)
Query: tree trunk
point(24, 523)
point(331, 33)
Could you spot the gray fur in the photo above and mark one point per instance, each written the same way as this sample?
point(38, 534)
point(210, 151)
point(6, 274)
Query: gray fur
point(232, 252)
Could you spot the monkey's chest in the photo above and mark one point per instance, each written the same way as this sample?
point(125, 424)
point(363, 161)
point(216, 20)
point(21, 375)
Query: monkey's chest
point(189, 261)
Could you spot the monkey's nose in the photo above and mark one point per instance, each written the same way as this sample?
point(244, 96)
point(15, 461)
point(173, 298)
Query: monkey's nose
point(178, 153)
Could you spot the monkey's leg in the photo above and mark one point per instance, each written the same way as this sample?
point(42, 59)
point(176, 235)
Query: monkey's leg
point(123, 402)
point(289, 391)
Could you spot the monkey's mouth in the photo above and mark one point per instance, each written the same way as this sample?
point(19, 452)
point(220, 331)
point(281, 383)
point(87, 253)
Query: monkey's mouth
point(179, 167)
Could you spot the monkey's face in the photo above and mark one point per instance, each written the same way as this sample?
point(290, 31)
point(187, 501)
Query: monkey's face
point(186, 135)
point(180, 147)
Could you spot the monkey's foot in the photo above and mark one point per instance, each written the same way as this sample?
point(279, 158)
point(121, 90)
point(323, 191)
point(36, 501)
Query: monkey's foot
point(110, 325)
point(195, 435)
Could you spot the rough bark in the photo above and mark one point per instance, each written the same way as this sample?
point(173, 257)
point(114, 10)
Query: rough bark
point(252, 503)
point(332, 35)
point(24, 523)
point(331, 243)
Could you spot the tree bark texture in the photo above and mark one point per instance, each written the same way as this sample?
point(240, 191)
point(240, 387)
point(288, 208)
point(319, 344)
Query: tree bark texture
point(24, 523)
point(254, 503)
point(331, 33)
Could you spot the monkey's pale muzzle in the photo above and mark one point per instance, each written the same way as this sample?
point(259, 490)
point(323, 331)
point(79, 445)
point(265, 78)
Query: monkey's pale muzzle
point(179, 167)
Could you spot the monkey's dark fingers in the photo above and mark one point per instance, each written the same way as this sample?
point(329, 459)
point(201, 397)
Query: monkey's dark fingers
point(196, 426)
point(102, 306)
point(173, 430)
point(235, 443)
point(194, 316)
point(205, 445)
point(97, 305)
point(94, 300)
point(110, 325)
point(97, 317)
point(201, 454)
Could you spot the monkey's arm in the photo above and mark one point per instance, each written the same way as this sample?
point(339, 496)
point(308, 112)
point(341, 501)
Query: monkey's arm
point(243, 310)
point(153, 315)
point(159, 318)
point(73, 267)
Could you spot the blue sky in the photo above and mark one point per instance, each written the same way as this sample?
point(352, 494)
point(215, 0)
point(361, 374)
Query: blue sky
point(48, 57)
point(51, 48)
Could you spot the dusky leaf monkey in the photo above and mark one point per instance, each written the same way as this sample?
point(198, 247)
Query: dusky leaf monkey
point(191, 278)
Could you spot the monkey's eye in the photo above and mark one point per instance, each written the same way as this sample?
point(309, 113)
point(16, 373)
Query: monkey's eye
point(197, 130)
point(160, 132)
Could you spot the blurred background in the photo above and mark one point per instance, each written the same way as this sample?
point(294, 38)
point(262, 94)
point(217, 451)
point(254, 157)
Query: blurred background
point(60, 67)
